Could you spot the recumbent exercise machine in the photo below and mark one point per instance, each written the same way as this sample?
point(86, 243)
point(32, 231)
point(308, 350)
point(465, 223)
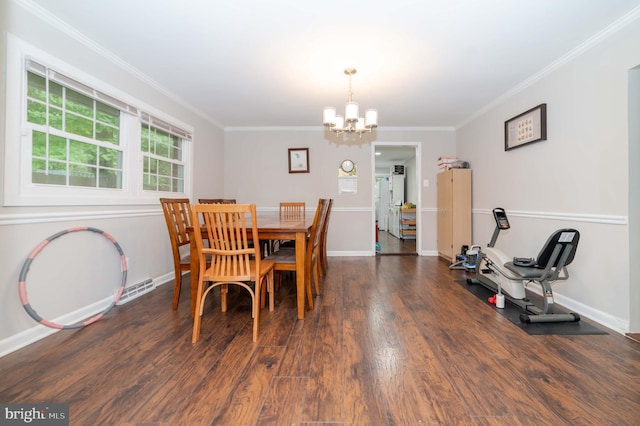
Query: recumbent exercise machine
point(509, 276)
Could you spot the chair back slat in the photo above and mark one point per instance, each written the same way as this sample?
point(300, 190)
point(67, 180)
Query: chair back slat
point(225, 226)
point(177, 214)
point(292, 210)
point(217, 201)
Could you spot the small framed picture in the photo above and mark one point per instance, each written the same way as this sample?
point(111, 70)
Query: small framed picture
point(526, 128)
point(298, 160)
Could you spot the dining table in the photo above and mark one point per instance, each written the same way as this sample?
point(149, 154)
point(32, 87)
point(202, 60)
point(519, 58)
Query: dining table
point(271, 226)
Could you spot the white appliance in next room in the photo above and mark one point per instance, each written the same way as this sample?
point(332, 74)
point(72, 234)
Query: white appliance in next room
point(396, 186)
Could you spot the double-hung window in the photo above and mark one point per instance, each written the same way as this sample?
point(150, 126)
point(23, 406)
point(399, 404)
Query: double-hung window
point(77, 141)
point(162, 146)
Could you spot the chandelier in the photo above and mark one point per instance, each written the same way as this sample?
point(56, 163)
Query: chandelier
point(351, 122)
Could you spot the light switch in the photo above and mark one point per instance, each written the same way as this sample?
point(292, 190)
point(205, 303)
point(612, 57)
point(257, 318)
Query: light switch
point(425, 183)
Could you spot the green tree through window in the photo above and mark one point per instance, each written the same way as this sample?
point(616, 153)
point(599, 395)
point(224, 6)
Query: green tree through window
point(163, 159)
point(75, 139)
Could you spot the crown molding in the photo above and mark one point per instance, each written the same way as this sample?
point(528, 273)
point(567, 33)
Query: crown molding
point(38, 11)
point(321, 128)
point(593, 41)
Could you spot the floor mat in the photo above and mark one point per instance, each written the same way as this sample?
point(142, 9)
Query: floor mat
point(512, 312)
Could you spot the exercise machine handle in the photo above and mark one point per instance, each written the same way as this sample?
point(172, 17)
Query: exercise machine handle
point(502, 222)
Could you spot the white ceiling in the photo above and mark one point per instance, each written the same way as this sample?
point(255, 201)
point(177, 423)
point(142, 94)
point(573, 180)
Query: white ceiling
point(429, 63)
point(391, 155)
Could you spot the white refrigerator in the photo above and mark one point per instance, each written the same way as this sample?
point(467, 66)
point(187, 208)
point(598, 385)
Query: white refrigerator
point(396, 186)
point(396, 199)
point(383, 199)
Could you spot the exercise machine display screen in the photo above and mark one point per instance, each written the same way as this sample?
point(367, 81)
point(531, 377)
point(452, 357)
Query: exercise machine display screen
point(501, 218)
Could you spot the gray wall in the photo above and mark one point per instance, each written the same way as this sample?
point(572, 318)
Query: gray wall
point(578, 178)
point(256, 169)
point(634, 198)
point(78, 271)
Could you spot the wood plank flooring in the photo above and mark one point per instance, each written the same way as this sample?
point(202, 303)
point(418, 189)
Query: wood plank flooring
point(392, 341)
point(391, 245)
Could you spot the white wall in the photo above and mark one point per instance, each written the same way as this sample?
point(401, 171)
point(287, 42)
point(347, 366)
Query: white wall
point(634, 197)
point(78, 270)
point(578, 178)
point(256, 170)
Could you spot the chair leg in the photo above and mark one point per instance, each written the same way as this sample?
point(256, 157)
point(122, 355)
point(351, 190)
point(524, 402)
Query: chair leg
point(322, 268)
point(267, 290)
point(263, 290)
point(316, 277)
point(278, 280)
point(255, 307)
point(309, 292)
point(323, 256)
point(224, 291)
point(270, 284)
point(197, 316)
point(177, 284)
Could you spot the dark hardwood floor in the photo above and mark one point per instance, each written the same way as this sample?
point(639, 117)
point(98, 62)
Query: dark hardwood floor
point(391, 245)
point(392, 341)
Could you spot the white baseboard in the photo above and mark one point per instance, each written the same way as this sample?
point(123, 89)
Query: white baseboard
point(371, 253)
point(614, 323)
point(163, 279)
point(350, 253)
point(38, 331)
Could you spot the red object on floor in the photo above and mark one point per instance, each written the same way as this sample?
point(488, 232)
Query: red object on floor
point(492, 299)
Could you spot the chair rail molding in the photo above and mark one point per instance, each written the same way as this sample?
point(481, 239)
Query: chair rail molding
point(572, 217)
point(50, 217)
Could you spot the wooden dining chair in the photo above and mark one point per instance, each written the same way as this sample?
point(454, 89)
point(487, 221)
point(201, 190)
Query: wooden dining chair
point(233, 259)
point(323, 240)
point(288, 210)
point(217, 201)
point(292, 210)
point(177, 215)
point(285, 258)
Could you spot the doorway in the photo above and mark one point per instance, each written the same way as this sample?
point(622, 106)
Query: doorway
point(396, 176)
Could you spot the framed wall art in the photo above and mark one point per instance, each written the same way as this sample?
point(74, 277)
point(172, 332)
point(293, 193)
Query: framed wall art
point(298, 160)
point(526, 128)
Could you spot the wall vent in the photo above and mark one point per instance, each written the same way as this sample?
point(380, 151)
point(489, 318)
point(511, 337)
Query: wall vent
point(136, 290)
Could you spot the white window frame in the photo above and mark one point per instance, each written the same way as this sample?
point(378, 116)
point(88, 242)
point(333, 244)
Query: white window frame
point(18, 188)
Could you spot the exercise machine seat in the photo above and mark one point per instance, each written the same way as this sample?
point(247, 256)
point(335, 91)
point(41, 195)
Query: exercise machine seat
point(558, 252)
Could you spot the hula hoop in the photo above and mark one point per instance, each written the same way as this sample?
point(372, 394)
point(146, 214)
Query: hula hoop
point(22, 281)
